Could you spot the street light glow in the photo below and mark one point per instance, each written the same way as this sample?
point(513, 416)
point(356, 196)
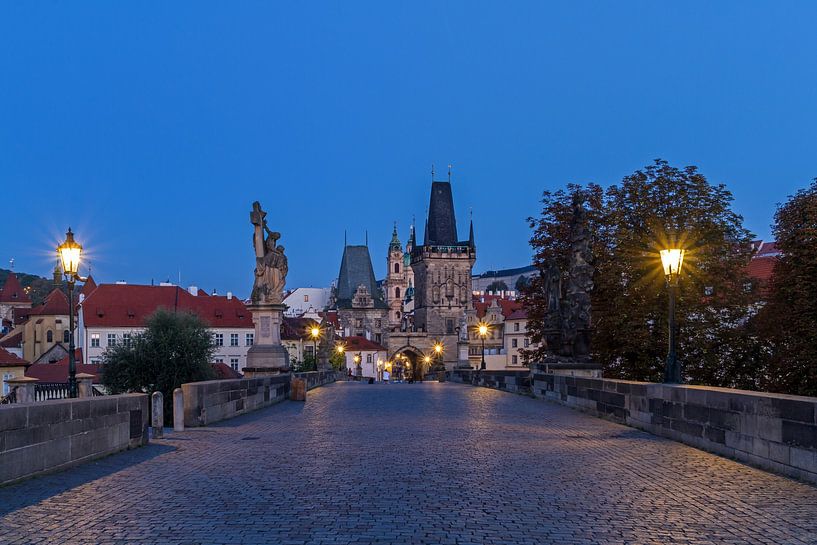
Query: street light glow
point(672, 260)
point(482, 328)
point(315, 332)
point(70, 253)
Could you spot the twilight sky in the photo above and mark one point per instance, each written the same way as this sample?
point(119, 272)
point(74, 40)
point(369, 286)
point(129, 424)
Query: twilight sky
point(150, 127)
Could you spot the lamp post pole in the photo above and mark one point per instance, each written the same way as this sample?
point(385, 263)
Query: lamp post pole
point(72, 358)
point(672, 371)
point(482, 364)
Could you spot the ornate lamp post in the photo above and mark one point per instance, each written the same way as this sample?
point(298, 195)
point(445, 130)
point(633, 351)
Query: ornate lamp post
point(358, 366)
point(315, 333)
point(70, 253)
point(672, 259)
point(438, 352)
point(482, 329)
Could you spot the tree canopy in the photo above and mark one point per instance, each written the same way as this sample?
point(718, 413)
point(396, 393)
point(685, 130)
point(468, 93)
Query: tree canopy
point(657, 206)
point(497, 285)
point(173, 349)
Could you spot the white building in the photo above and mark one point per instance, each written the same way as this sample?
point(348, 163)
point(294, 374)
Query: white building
point(112, 313)
point(307, 302)
point(373, 357)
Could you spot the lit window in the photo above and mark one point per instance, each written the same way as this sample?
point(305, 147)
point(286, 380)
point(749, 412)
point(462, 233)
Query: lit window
point(94, 340)
point(306, 298)
point(233, 339)
point(111, 339)
point(249, 339)
point(219, 339)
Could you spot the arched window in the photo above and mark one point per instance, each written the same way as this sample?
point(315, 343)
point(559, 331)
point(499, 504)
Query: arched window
point(65, 336)
point(49, 336)
point(397, 314)
point(397, 292)
point(397, 267)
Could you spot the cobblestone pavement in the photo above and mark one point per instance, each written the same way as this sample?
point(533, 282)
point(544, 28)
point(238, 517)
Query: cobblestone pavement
point(421, 463)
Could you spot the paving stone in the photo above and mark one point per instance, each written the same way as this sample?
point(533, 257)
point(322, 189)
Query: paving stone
point(437, 463)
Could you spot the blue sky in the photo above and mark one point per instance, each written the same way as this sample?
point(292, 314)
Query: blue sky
point(151, 127)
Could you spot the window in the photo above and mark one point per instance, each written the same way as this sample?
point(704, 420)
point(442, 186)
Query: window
point(49, 336)
point(234, 363)
point(233, 339)
point(309, 351)
point(527, 342)
point(219, 360)
point(378, 323)
point(219, 339)
point(516, 326)
point(397, 293)
point(6, 376)
point(397, 268)
point(368, 358)
point(397, 314)
point(514, 359)
point(111, 339)
point(126, 339)
point(65, 336)
point(249, 338)
point(514, 343)
point(359, 322)
point(96, 361)
point(378, 338)
point(449, 327)
point(94, 340)
point(306, 298)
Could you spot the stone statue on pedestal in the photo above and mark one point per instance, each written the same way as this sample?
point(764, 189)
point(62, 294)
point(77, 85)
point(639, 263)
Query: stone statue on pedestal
point(267, 356)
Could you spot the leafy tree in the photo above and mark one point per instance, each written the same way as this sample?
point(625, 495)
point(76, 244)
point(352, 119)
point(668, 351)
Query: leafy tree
point(790, 317)
point(175, 348)
point(497, 285)
point(337, 360)
point(630, 223)
point(521, 283)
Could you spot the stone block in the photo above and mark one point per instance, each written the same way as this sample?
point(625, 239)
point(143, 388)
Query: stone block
point(742, 403)
point(696, 413)
point(716, 399)
point(94, 442)
point(768, 428)
point(13, 417)
point(80, 408)
point(696, 396)
point(792, 409)
point(760, 448)
point(779, 453)
point(49, 412)
point(727, 420)
point(687, 428)
point(805, 459)
point(797, 434)
point(101, 406)
point(675, 394)
point(671, 410)
point(716, 435)
point(739, 441)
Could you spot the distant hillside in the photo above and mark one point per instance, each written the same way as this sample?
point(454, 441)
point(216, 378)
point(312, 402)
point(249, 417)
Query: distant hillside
point(40, 287)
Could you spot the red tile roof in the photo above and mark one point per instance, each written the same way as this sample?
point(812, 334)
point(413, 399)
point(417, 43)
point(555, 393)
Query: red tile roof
point(56, 304)
point(225, 372)
point(7, 359)
point(354, 344)
point(87, 287)
point(58, 372)
point(13, 339)
point(508, 306)
point(12, 291)
point(518, 314)
point(125, 305)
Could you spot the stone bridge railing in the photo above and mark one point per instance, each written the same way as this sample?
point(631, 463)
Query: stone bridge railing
point(215, 400)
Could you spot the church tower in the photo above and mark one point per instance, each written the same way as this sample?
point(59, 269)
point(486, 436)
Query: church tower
point(442, 272)
point(396, 283)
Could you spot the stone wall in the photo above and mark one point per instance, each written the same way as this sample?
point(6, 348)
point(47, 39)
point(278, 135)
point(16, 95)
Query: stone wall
point(772, 431)
point(215, 400)
point(40, 437)
point(517, 382)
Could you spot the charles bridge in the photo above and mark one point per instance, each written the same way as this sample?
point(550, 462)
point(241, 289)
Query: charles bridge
point(434, 462)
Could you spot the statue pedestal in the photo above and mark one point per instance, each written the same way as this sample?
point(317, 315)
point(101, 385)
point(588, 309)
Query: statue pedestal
point(267, 356)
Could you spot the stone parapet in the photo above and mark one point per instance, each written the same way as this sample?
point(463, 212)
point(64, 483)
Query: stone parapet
point(771, 431)
point(47, 436)
point(517, 382)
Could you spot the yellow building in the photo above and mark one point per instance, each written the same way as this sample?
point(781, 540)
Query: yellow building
point(45, 333)
point(11, 366)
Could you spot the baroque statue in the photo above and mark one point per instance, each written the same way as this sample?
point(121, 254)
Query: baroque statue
point(271, 264)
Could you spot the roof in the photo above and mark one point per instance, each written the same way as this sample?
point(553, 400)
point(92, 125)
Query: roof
point(225, 372)
point(87, 287)
point(507, 272)
point(13, 339)
point(761, 268)
point(12, 291)
point(330, 317)
point(518, 314)
point(7, 359)
point(355, 343)
point(58, 372)
point(127, 305)
point(765, 249)
point(355, 270)
point(441, 229)
point(56, 304)
point(507, 306)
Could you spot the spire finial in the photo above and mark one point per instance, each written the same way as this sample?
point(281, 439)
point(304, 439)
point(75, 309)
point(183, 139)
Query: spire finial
point(432, 172)
point(449, 173)
point(11, 262)
point(367, 236)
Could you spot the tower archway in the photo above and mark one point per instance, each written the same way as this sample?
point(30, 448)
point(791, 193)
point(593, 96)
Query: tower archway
point(408, 362)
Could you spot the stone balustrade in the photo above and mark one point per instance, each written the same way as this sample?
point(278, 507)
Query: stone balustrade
point(39, 437)
point(771, 431)
point(517, 382)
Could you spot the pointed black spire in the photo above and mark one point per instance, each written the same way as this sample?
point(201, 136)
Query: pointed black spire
point(471, 233)
point(442, 225)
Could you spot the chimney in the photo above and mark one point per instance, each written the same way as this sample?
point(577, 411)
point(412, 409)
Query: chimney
point(193, 290)
point(229, 296)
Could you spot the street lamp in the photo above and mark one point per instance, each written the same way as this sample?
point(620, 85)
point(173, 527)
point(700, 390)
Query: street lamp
point(70, 253)
point(672, 259)
point(315, 332)
point(438, 351)
point(358, 366)
point(482, 329)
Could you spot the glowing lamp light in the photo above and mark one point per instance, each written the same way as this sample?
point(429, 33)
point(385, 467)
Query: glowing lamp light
point(427, 359)
point(315, 332)
point(672, 259)
point(438, 348)
point(340, 349)
point(482, 329)
point(70, 253)
point(357, 358)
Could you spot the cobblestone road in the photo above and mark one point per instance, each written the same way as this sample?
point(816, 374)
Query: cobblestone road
point(422, 463)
